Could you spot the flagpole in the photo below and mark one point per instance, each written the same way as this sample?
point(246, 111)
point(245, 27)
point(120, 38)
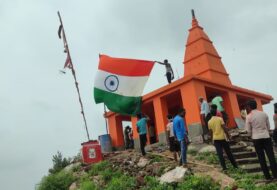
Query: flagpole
point(74, 74)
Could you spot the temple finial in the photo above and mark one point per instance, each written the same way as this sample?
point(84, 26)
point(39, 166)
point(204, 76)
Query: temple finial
point(192, 13)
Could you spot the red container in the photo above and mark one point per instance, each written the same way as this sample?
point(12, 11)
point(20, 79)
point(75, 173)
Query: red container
point(91, 152)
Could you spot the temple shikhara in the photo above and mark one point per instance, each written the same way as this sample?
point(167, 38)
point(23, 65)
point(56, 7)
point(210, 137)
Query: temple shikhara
point(205, 76)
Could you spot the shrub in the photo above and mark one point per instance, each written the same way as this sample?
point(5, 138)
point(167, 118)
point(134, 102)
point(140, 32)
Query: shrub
point(199, 183)
point(57, 181)
point(88, 185)
point(98, 167)
point(59, 163)
point(122, 182)
point(153, 184)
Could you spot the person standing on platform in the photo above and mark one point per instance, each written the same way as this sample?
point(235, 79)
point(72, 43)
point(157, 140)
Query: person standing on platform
point(169, 72)
point(174, 146)
point(126, 136)
point(204, 112)
point(142, 130)
point(219, 134)
point(218, 101)
point(257, 125)
point(275, 125)
point(180, 134)
point(131, 138)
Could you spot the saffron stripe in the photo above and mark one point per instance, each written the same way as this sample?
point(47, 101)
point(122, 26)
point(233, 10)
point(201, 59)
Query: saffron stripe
point(125, 67)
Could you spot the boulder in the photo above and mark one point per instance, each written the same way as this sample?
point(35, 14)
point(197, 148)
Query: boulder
point(208, 148)
point(70, 167)
point(73, 186)
point(221, 178)
point(175, 175)
point(143, 162)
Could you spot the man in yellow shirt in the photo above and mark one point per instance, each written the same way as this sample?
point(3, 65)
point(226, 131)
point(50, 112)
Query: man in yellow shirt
point(216, 126)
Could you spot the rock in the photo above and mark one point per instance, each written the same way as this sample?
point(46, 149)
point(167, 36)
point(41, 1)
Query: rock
point(71, 167)
point(197, 139)
point(143, 162)
point(73, 186)
point(175, 175)
point(221, 178)
point(208, 148)
point(140, 181)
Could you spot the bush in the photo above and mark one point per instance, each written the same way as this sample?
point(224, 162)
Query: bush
point(153, 184)
point(199, 183)
point(98, 167)
point(88, 185)
point(57, 181)
point(121, 183)
point(59, 163)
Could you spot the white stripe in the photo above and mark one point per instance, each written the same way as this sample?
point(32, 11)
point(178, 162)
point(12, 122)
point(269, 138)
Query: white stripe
point(127, 86)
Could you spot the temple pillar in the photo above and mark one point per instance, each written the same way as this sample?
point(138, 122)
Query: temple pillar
point(161, 111)
point(116, 131)
point(259, 104)
point(231, 107)
point(190, 94)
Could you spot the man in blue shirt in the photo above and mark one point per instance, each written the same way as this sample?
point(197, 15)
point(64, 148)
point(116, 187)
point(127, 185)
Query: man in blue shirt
point(142, 130)
point(181, 134)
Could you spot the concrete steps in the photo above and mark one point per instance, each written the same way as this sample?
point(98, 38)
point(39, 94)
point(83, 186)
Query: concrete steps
point(251, 168)
point(238, 148)
point(244, 154)
point(242, 161)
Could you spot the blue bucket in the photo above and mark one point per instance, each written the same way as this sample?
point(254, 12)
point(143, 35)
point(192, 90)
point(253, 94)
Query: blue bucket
point(106, 143)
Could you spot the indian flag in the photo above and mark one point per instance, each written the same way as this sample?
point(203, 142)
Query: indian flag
point(120, 82)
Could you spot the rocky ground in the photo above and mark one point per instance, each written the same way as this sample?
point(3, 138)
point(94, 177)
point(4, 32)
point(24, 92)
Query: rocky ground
point(157, 170)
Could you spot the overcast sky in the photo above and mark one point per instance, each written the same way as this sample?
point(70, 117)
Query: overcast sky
point(39, 109)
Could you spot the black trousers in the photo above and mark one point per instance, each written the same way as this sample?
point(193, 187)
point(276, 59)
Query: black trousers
point(221, 145)
point(263, 146)
point(168, 76)
point(275, 136)
point(143, 140)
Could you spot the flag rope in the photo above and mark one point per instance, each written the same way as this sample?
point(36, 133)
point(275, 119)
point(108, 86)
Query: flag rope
point(69, 65)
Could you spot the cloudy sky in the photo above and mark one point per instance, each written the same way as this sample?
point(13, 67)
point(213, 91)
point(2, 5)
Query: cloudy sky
point(39, 110)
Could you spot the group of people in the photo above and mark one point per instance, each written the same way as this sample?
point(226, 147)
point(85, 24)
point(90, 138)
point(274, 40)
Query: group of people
point(214, 119)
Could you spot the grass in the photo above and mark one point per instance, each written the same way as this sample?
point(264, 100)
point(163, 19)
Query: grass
point(209, 157)
point(198, 183)
point(58, 181)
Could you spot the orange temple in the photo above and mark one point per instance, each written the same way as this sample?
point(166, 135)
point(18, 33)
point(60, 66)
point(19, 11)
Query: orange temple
point(204, 75)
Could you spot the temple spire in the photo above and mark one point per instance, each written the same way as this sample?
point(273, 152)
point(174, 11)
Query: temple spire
point(201, 58)
point(192, 14)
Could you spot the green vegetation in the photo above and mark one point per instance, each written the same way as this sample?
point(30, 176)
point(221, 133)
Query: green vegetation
point(199, 183)
point(155, 158)
point(153, 184)
point(209, 157)
point(59, 163)
point(192, 152)
point(88, 185)
point(57, 181)
point(247, 181)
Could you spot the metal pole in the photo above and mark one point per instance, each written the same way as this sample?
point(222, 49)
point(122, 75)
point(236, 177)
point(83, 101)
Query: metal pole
point(74, 75)
point(105, 111)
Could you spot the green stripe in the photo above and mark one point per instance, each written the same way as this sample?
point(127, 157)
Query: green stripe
point(124, 105)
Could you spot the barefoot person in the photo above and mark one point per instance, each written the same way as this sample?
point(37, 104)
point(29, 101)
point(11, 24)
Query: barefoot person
point(180, 134)
point(218, 133)
point(257, 125)
point(169, 72)
point(174, 146)
point(142, 130)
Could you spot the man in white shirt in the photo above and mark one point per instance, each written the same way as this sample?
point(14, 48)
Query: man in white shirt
point(204, 111)
point(257, 125)
point(174, 146)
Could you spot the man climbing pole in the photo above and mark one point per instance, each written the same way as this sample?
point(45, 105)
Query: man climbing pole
point(169, 72)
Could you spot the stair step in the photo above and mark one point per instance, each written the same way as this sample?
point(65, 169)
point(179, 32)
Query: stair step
point(251, 168)
point(242, 161)
point(238, 148)
point(245, 154)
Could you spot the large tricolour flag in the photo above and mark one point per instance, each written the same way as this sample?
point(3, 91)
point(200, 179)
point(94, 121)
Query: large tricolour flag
point(119, 83)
